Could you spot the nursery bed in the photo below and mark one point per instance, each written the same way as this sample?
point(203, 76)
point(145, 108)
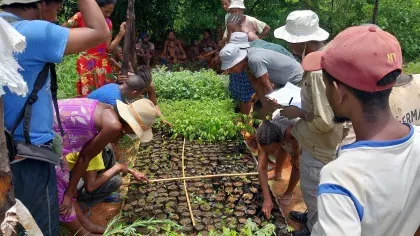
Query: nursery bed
point(216, 202)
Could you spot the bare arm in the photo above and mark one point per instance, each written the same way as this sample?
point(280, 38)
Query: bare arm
point(93, 181)
point(95, 32)
point(263, 178)
point(151, 92)
point(165, 49)
point(115, 63)
point(262, 86)
point(110, 131)
point(114, 43)
point(180, 47)
point(265, 32)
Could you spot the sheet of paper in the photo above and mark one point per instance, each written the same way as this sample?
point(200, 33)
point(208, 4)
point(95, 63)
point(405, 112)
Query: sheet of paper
point(284, 95)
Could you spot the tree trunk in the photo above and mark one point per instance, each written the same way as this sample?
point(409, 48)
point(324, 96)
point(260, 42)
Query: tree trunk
point(7, 196)
point(375, 12)
point(129, 51)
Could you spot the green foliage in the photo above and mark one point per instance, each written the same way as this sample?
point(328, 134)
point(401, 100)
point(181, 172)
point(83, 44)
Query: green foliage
point(189, 85)
point(118, 228)
point(67, 77)
point(208, 119)
point(412, 68)
point(250, 229)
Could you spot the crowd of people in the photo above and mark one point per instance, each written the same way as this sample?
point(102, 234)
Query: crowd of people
point(352, 143)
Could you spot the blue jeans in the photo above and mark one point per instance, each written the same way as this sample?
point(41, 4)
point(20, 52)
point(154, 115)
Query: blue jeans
point(36, 187)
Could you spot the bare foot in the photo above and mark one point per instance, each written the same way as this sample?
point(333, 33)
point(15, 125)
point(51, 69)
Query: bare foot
point(286, 199)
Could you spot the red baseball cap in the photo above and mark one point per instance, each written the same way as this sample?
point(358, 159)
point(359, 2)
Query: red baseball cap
point(359, 57)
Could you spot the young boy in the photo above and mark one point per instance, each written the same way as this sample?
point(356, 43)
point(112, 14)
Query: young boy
point(372, 187)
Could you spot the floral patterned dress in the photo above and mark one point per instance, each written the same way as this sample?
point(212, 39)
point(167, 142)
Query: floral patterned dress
point(92, 65)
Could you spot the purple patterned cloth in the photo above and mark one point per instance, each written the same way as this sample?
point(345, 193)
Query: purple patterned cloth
point(76, 116)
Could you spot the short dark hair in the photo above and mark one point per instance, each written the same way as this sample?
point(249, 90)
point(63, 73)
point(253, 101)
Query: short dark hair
point(208, 31)
point(141, 80)
point(269, 133)
point(102, 3)
point(23, 6)
point(371, 102)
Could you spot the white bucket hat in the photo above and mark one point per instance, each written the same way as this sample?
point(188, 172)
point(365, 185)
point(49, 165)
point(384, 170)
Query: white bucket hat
point(240, 39)
point(140, 115)
point(9, 2)
point(237, 4)
point(301, 26)
point(231, 55)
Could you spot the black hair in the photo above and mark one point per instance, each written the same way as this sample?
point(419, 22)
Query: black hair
point(122, 121)
point(171, 30)
point(141, 80)
point(208, 31)
point(102, 3)
point(23, 6)
point(371, 102)
point(269, 133)
point(235, 19)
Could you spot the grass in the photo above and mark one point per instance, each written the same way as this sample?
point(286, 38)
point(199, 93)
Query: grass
point(412, 68)
point(67, 77)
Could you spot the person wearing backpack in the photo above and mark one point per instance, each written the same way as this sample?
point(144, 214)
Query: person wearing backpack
point(34, 176)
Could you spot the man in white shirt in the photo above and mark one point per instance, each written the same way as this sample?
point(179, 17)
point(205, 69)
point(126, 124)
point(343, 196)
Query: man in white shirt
point(373, 186)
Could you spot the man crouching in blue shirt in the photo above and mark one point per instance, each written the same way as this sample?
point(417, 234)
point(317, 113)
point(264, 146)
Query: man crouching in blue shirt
point(34, 180)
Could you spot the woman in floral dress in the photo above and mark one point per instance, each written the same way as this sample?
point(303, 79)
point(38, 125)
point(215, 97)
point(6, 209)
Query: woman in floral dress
point(93, 65)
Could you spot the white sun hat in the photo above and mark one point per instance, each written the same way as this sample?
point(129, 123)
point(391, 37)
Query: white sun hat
point(231, 55)
point(237, 4)
point(9, 2)
point(301, 26)
point(140, 115)
point(240, 39)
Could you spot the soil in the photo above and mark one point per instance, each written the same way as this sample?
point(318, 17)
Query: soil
point(211, 199)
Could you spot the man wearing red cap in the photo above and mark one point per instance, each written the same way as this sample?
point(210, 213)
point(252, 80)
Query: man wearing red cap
point(373, 186)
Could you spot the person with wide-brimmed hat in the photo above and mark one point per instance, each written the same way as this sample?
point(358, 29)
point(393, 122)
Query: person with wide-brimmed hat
point(89, 126)
point(316, 132)
point(46, 43)
point(264, 68)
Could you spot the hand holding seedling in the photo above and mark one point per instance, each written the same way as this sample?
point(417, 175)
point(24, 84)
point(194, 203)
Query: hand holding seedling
point(138, 175)
point(267, 207)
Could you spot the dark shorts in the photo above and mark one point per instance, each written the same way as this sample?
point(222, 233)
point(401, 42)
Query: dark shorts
point(35, 186)
point(239, 87)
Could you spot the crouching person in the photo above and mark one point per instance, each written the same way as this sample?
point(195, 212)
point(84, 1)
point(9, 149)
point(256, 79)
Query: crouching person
point(275, 144)
point(89, 126)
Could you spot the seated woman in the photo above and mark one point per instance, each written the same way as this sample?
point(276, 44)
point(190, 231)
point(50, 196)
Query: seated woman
point(194, 51)
point(89, 126)
point(275, 144)
point(207, 44)
point(172, 50)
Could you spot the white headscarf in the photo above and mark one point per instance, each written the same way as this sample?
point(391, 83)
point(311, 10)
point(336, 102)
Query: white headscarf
point(11, 41)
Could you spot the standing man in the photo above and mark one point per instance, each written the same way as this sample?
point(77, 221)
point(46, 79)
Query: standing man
point(373, 186)
point(315, 131)
point(34, 180)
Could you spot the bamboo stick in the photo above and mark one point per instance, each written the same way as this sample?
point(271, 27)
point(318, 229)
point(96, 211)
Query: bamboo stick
point(185, 185)
point(203, 177)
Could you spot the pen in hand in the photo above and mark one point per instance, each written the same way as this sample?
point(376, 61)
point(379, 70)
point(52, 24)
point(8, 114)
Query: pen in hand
point(291, 101)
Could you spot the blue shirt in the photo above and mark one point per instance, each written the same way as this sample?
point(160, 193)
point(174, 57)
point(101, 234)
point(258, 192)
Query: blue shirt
point(46, 42)
point(107, 94)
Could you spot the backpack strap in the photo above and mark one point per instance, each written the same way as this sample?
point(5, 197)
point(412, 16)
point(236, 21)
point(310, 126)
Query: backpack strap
point(26, 112)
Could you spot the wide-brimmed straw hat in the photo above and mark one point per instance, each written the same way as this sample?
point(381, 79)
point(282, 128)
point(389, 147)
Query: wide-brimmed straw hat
point(237, 4)
point(231, 55)
point(301, 26)
point(9, 2)
point(140, 115)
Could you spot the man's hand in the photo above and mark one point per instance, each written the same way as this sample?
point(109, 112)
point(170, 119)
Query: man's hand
point(292, 112)
point(138, 175)
point(122, 29)
point(66, 205)
point(267, 207)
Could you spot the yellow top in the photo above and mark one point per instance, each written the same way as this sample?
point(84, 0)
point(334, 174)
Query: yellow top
point(96, 164)
point(321, 137)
